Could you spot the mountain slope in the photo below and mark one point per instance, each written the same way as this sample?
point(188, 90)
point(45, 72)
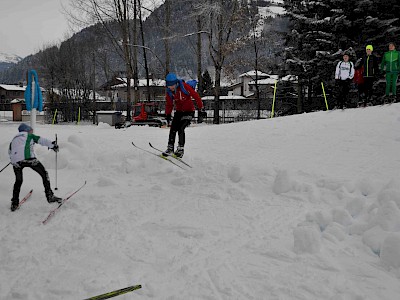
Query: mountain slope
point(8, 61)
point(183, 60)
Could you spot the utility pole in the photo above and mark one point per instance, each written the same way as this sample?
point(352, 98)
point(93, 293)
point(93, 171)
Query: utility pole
point(94, 89)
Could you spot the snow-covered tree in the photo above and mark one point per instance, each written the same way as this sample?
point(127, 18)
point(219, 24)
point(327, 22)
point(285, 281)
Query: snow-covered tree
point(322, 30)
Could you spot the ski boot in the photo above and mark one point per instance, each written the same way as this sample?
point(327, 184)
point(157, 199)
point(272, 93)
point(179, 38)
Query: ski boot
point(51, 198)
point(179, 152)
point(14, 204)
point(169, 151)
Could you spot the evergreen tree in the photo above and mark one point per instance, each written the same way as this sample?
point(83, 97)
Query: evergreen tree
point(322, 30)
point(208, 84)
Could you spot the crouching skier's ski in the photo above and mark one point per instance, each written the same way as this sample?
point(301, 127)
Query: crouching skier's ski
point(115, 293)
point(160, 156)
point(24, 199)
point(52, 213)
point(173, 155)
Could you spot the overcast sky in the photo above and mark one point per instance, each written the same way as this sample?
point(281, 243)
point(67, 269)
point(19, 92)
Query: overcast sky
point(27, 25)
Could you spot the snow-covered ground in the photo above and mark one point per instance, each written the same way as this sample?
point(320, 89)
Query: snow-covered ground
point(299, 207)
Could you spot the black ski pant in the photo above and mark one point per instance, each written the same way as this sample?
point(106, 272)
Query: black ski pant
point(368, 88)
point(36, 166)
point(343, 92)
point(180, 121)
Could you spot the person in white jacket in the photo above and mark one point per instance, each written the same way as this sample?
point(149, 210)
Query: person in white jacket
point(22, 155)
point(344, 75)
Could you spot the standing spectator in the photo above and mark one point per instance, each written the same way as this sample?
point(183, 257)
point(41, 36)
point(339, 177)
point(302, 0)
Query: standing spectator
point(391, 65)
point(180, 94)
point(359, 79)
point(22, 156)
point(344, 75)
point(370, 66)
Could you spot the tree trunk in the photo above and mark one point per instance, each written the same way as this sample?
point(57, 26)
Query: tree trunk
point(299, 97)
point(166, 35)
point(146, 66)
point(199, 71)
point(217, 89)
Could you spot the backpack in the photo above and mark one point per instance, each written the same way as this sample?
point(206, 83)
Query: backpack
point(192, 83)
point(358, 75)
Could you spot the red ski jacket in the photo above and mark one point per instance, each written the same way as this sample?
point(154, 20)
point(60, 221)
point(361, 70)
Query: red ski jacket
point(183, 102)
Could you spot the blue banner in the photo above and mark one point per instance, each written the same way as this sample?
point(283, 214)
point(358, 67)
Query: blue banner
point(38, 99)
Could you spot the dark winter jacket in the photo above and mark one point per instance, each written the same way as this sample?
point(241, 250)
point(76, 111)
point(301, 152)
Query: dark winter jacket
point(371, 66)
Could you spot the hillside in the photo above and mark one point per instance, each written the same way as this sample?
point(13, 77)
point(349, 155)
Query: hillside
point(108, 62)
point(299, 207)
point(8, 61)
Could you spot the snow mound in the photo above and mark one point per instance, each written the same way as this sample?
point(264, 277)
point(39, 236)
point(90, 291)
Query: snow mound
point(373, 216)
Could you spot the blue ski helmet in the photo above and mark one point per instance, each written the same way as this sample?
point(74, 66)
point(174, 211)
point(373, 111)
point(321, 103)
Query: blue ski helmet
point(24, 127)
point(171, 79)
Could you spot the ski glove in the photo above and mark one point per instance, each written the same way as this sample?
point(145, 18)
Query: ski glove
point(168, 118)
point(55, 147)
point(201, 115)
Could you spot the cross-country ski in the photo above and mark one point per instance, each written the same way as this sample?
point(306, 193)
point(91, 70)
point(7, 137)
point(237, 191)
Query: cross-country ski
point(25, 198)
point(158, 155)
point(52, 213)
point(172, 155)
point(115, 293)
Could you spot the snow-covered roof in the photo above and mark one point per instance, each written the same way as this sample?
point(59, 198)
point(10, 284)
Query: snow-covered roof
point(271, 80)
point(142, 82)
point(106, 112)
point(290, 78)
point(12, 87)
point(253, 74)
point(233, 97)
point(17, 100)
point(235, 85)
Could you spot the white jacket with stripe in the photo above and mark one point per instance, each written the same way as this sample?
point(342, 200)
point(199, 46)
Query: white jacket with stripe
point(21, 147)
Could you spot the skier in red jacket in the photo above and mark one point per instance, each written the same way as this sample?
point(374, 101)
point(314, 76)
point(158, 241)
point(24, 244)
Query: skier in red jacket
point(180, 94)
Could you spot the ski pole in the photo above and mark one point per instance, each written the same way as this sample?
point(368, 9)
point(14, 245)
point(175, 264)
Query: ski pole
point(323, 90)
point(4, 167)
point(56, 188)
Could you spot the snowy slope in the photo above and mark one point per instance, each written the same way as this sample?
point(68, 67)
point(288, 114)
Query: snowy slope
point(299, 207)
point(9, 58)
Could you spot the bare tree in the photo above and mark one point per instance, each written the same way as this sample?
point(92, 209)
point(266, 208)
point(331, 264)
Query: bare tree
point(106, 12)
point(221, 16)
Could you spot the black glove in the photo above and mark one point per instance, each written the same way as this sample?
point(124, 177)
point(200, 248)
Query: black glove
point(55, 147)
point(168, 118)
point(201, 115)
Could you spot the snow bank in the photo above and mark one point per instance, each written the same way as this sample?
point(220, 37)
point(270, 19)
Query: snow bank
point(375, 217)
